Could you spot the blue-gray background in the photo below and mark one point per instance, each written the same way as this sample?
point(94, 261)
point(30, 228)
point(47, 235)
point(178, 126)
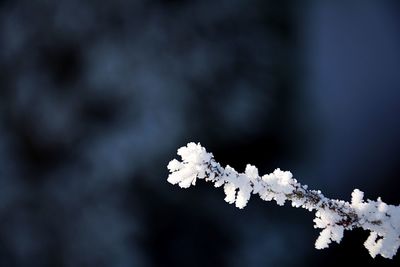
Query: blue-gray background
point(96, 96)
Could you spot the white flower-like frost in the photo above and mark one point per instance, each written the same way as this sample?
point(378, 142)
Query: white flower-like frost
point(332, 216)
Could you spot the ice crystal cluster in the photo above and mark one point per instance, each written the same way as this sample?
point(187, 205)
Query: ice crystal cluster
point(332, 216)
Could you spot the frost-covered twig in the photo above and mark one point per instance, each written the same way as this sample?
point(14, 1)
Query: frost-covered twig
point(333, 216)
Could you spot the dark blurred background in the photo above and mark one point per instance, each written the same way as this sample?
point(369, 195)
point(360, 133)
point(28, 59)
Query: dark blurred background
point(96, 96)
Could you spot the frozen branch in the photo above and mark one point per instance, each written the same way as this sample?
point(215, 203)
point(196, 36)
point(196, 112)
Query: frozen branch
point(332, 216)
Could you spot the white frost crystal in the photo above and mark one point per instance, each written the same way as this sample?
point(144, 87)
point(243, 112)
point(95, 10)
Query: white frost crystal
point(332, 216)
point(382, 220)
point(185, 173)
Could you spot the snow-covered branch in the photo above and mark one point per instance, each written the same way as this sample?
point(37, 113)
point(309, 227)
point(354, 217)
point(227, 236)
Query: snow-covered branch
point(332, 216)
